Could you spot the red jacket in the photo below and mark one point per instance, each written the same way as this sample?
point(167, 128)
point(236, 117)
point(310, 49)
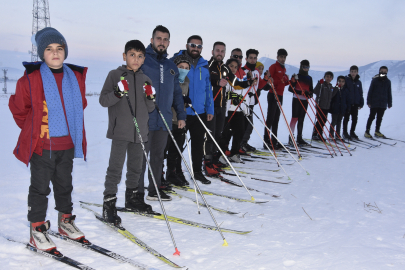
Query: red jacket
point(26, 105)
point(279, 77)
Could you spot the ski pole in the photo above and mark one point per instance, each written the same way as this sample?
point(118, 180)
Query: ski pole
point(289, 178)
point(285, 119)
point(177, 252)
point(310, 117)
point(219, 148)
point(279, 141)
point(191, 172)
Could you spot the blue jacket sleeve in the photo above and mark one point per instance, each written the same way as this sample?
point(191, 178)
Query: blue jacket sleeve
point(178, 102)
point(209, 100)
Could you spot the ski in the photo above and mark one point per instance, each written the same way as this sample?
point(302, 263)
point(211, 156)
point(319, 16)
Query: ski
point(171, 192)
point(173, 219)
point(185, 188)
point(258, 179)
point(60, 258)
point(358, 141)
point(390, 144)
point(265, 161)
point(121, 230)
point(392, 139)
point(228, 181)
point(237, 167)
point(101, 250)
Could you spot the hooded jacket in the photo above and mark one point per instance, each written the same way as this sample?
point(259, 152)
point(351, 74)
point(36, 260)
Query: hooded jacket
point(26, 105)
point(165, 79)
point(379, 94)
point(324, 94)
point(340, 101)
point(200, 91)
point(355, 90)
point(120, 120)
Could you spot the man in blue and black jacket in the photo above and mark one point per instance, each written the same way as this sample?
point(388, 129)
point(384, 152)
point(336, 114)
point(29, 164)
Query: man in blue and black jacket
point(356, 101)
point(165, 79)
point(200, 95)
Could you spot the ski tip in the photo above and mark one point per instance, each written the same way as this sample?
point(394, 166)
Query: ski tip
point(253, 199)
point(225, 244)
point(308, 173)
point(300, 158)
point(289, 178)
point(177, 253)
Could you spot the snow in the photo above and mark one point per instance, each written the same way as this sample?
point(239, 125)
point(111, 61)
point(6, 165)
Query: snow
point(347, 214)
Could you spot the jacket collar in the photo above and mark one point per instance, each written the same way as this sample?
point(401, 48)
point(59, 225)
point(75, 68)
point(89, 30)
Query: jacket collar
point(33, 66)
point(154, 54)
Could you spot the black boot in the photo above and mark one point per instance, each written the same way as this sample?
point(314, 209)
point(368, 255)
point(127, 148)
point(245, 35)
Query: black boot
point(301, 141)
point(134, 201)
point(200, 177)
point(110, 211)
point(353, 135)
point(290, 142)
point(174, 179)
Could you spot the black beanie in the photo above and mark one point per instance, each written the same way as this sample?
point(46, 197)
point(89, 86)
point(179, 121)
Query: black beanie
point(282, 52)
point(304, 62)
point(328, 73)
point(181, 59)
point(383, 67)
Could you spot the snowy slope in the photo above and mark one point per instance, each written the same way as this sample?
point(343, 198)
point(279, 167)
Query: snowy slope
point(342, 230)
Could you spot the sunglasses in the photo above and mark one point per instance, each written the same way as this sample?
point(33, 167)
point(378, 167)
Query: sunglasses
point(192, 45)
point(305, 67)
point(237, 56)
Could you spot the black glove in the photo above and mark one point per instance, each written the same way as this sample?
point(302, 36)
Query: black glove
point(187, 101)
point(250, 94)
point(235, 98)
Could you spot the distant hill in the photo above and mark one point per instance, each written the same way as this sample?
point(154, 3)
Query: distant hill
point(367, 72)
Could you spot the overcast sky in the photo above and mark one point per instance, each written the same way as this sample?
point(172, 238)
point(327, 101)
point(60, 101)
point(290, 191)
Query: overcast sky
point(330, 34)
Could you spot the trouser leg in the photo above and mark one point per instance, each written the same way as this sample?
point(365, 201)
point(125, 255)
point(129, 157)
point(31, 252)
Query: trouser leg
point(248, 127)
point(238, 126)
point(115, 165)
point(271, 112)
point(371, 118)
point(274, 127)
point(196, 130)
point(156, 155)
point(173, 156)
point(355, 112)
point(135, 158)
point(380, 114)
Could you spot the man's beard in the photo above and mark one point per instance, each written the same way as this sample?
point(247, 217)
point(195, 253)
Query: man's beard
point(158, 50)
point(218, 56)
point(194, 56)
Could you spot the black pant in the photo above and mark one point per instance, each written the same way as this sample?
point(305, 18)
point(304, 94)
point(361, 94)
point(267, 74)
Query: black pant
point(273, 115)
point(299, 112)
point(216, 126)
point(380, 113)
point(354, 111)
point(320, 123)
point(155, 147)
point(197, 132)
point(173, 156)
point(336, 123)
point(55, 166)
point(248, 126)
point(234, 129)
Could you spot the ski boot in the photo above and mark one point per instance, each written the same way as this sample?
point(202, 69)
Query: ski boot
point(200, 177)
point(67, 227)
point(301, 141)
point(353, 135)
point(236, 158)
point(40, 239)
point(152, 196)
point(378, 134)
point(110, 210)
point(134, 201)
point(367, 134)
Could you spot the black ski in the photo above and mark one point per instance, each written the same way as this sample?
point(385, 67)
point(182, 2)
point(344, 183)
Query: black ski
point(258, 179)
point(390, 144)
point(59, 257)
point(101, 250)
point(392, 139)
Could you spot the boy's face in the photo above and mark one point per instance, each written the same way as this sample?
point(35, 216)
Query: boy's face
point(342, 82)
point(354, 73)
point(54, 55)
point(383, 71)
point(328, 78)
point(183, 66)
point(134, 59)
point(251, 59)
point(219, 52)
point(233, 66)
point(281, 59)
point(260, 68)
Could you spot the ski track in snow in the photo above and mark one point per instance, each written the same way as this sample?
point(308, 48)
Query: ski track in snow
point(356, 205)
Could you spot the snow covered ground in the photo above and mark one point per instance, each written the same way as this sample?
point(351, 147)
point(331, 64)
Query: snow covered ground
point(355, 214)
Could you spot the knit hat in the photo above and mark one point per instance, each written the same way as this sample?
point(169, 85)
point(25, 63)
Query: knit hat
point(259, 64)
point(181, 59)
point(282, 52)
point(305, 62)
point(47, 36)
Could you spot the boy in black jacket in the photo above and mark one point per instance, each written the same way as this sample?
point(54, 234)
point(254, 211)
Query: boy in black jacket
point(126, 80)
point(378, 98)
point(338, 106)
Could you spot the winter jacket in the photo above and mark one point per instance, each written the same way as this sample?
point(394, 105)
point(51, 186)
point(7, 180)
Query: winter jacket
point(200, 91)
point(165, 79)
point(184, 88)
point(120, 121)
point(380, 95)
point(242, 92)
point(26, 105)
point(355, 90)
point(324, 94)
point(253, 89)
point(339, 101)
point(277, 72)
point(304, 84)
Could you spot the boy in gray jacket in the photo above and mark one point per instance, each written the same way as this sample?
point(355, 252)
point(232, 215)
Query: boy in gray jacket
point(127, 80)
point(324, 93)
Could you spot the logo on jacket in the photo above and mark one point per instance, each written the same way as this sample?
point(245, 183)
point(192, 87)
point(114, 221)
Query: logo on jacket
point(161, 74)
point(172, 72)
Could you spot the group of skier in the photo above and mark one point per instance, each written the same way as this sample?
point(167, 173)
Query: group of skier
point(153, 102)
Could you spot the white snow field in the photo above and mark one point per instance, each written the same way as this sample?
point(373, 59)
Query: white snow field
point(354, 207)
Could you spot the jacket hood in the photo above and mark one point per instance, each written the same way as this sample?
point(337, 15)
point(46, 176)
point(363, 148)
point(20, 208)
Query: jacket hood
point(152, 52)
point(123, 68)
point(33, 66)
point(355, 78)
